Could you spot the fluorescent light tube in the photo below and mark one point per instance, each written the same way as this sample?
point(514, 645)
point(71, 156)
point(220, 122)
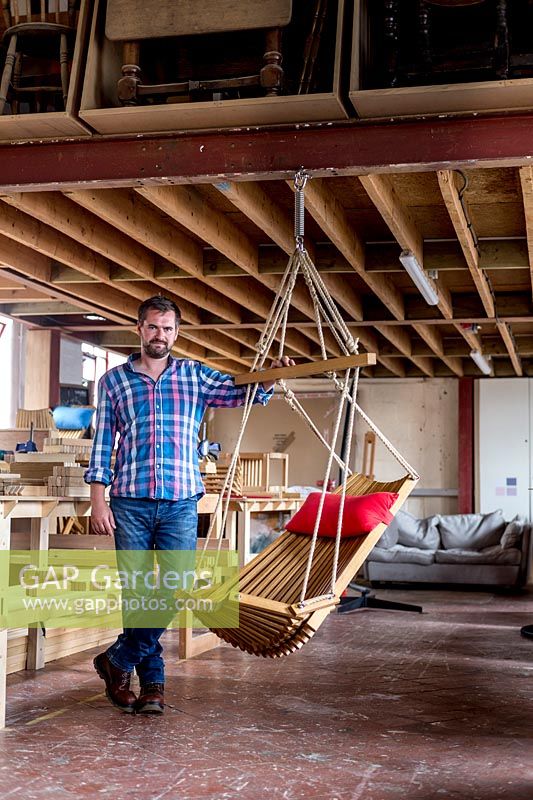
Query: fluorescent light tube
point(481, 362)
point(423, 283)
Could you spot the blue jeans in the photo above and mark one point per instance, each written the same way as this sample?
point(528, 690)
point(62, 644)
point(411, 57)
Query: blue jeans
point(147, 525)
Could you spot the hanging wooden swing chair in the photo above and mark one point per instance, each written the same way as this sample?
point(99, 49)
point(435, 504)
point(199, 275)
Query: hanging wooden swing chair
point(285, 593)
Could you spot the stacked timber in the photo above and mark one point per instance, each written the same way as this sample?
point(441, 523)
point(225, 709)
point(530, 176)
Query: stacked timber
point(79, 448)
point(67, 481)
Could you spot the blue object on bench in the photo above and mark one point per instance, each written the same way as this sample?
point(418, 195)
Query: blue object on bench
point(73, 417)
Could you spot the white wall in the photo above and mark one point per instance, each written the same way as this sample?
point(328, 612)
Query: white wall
point(504, 452)
point(71, 364)
point(11, 369)
point(418, 416)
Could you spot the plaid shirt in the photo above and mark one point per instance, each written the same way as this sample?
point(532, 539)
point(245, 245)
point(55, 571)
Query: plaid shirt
point(158, 423)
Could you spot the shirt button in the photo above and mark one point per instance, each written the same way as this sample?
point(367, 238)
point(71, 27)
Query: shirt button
point(159, 466)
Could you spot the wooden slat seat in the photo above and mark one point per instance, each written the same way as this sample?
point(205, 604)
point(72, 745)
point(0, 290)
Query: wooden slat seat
point(271, 622)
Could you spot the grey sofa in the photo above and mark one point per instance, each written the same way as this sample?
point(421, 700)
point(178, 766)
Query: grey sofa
point(459, 548)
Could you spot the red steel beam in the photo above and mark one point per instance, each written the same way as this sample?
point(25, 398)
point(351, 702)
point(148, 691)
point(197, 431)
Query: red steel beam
point(325, 150)
point(466, 446)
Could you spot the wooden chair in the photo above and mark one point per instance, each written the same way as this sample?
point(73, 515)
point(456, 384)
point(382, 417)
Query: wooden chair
point(257, 469)
point(36, 29)
point(498, 55)
point(131, 21)
point(414, 56)
point(40, 417)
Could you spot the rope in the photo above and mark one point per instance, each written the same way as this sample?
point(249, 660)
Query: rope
point(324, 310)
point(344, 482)
point(388, 444)
point(324, 489)
point(296, 406)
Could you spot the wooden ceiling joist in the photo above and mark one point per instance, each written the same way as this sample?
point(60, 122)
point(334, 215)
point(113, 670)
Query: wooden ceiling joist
point(103, 246)
point(73, 222)
point(507, 336)
point(526, 182)
point(252, 201)
point(138, 219)
point(404, 229)
point(450, 193)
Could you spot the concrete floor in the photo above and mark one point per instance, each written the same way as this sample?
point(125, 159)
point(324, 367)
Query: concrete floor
point(380, 705)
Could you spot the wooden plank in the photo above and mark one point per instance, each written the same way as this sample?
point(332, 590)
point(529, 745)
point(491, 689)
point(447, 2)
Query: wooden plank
point(450, 194)
point(103, 246)
point(128, 20)
point(395, 213)
point(311, 368)
point(40, 530)
point(327, 211)
point(5, 537)
point(128, 214)
point(507, 335)
point(188, 207)
point(190, 646)
point(526, 182)
point(443, 100)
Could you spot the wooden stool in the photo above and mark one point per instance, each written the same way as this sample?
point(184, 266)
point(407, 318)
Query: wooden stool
point(31, 32)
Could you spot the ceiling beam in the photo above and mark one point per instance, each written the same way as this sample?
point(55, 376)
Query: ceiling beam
point(129, 214)
point(269, 217)
point(103, 245)
point(404, 229)
point(526, 182)
point(448, 186)
point(405, 145)
point(33, 269)
point(507, 336)
point(51, 308)
point(327, 211)
point(136, 218)
point(186, 205)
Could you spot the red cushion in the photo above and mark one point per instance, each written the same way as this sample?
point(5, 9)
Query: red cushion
point(361, 514)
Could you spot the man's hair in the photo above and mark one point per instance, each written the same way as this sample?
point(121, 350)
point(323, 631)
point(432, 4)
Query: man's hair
point(161, 304)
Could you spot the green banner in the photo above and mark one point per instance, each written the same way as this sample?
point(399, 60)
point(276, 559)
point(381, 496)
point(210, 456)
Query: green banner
point(115, 589)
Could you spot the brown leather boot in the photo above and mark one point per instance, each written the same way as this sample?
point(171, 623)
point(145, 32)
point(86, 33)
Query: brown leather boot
point(117, 683)
point(151, 699)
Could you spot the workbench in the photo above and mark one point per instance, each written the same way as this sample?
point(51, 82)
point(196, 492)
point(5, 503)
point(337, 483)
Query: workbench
point(242, 509)
point(42, 513)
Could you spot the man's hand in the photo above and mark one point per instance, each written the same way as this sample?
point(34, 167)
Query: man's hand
point(102, 519)
point(284, 361)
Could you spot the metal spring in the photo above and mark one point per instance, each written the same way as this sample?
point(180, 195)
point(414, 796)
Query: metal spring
point(300, 179)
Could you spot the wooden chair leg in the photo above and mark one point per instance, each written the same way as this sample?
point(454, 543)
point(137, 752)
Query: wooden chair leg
point(502, 40)
point(17, 72)
point(7, 73)
point(424, 27)
point(271, 76)
point(63, 61)
point(131, 74)
point(392, 40)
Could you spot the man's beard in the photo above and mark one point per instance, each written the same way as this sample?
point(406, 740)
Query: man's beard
point(160, 350)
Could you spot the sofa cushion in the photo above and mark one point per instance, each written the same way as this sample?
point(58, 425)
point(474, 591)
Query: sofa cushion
point(402, 555)
point(361, 514)
point(471, 531)
point(513, 532)
point(420, 533)
point(390, 535)
point(488, 555)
